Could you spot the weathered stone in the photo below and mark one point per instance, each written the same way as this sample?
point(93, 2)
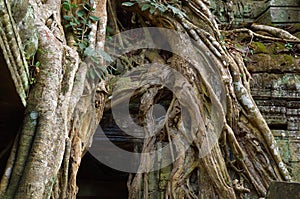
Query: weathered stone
point(295, 150)
point(284, 134)
point(280, 190)
point(245, 11)
point(283, 145)
point(273, 63)
point(293, 3)
point(276, 89)
point(280, 15)
point(296, 170)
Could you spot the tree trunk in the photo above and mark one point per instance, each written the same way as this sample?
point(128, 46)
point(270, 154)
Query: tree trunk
point(231, 151)
point(63, 107)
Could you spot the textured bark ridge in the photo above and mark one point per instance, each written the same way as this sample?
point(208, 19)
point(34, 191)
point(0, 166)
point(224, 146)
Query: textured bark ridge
point(246, 158)
point(64, 106)
point(12, 50)
point(61, 114)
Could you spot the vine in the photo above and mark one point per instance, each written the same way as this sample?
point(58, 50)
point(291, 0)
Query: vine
point(79, 20)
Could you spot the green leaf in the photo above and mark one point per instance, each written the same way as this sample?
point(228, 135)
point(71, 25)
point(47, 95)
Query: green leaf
point(95, 59)
point(91, 73)
point(82, 46)
point(80, 13)
point(145, 7)
point(99, 75)
point(37, 64)
point(127, 4)
point(67, 26)
point(76, 21)
point(41, 51)
point(162, 8)
point(152, 10)
point(89, 52)
point(177, 11)
point(68, 18)
point(84, 21)
point(73, 24)
point(89, 25)
point(94, 18)
point(86, 7)
point(103, 69)
point(67, 5)
point(74, 5)
point(105, 56)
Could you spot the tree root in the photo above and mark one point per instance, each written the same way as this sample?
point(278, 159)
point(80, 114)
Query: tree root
point(242, 159)
point(287, 37)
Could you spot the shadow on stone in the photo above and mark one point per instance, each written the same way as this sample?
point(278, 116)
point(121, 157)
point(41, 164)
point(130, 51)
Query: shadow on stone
point(280, 190)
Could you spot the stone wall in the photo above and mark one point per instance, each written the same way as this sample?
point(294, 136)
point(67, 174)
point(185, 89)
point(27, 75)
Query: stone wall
point(275, 68)
point(261, 11)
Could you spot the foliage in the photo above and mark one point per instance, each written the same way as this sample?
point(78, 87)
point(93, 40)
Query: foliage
point(288, 46)
point(80, 21)
point(153, 6)
point(34, 69)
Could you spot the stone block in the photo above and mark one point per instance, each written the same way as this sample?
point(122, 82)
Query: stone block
point(293, 124)
point(293, 3)
point(281, 15)
point(295, 166)
point(284, 134)
point(293, 112)
point(284, 149)
point(281, 190)
point(295, 150)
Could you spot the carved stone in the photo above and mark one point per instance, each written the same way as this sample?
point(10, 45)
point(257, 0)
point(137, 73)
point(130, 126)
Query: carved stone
point(280, 190)
point(276, 89)
point(247, 11)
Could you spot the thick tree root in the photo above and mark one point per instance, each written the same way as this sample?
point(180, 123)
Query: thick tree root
point(244, 160)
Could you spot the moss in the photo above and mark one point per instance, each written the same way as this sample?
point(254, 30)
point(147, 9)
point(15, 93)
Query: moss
point(259, 47)
point(288, 59)
point(239, 46)
point(260, 62)
point(272, 62)
point(297, 26)
point(28, 33)
point(242, 37)
point(284, 149)
point(277, 47)
point(297, 34)
point(283, 59)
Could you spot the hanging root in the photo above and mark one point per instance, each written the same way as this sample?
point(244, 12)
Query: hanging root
point(243, 129)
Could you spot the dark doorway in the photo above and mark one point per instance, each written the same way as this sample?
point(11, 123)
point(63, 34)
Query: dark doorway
point(96, 180)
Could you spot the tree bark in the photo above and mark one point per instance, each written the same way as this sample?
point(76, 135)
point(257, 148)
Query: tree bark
point(64, 106)
point(61, 112)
